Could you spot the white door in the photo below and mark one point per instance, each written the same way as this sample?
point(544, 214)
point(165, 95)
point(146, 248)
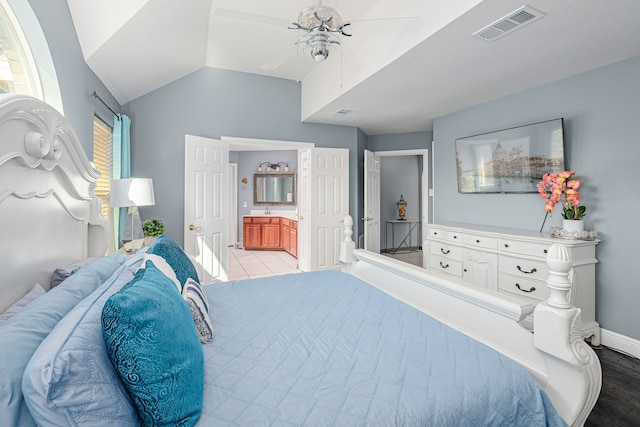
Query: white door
point(324, 177)
point(371, 202)
point(206, 191)
point(304, 209)
point(233, 205)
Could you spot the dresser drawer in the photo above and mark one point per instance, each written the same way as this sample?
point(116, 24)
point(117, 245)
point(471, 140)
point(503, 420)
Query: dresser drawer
point(446, 250)
point(528, 268)
point(479, 241)
point(524, 248)
point(450, 266)
point(448, 235)
point(522, 286)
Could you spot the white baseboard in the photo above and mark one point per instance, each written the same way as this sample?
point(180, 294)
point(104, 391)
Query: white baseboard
point(621, 342)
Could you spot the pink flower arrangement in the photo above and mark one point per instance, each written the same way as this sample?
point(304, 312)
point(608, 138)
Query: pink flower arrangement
point(244, 181)
point(554, 185)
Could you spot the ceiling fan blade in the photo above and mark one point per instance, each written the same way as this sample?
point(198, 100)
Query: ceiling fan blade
point(282, 57)
point(408, 24)
point(253, 17)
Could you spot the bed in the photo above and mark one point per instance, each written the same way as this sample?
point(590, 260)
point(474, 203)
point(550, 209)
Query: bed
point(379, 343)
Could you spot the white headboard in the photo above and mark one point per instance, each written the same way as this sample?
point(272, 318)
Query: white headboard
point(49, 216)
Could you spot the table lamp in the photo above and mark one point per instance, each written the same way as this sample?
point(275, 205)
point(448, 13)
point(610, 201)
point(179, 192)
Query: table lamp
point(131, 193)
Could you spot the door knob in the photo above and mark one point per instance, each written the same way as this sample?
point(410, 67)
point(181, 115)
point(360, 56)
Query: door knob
point(193, 227)
point(367, 218)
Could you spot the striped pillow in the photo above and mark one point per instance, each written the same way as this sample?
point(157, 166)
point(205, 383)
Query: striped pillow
point(199, 306)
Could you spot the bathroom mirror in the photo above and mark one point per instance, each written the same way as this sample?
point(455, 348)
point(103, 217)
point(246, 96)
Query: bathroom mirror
point(274, 189)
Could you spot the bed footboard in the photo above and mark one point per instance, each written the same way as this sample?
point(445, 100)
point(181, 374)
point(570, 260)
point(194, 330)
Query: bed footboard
point(555, 353)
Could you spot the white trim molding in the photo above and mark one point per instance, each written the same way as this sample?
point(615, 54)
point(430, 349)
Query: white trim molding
point(621, 342)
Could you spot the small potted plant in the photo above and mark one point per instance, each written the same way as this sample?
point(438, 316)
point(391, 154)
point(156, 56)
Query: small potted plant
point(152, 228)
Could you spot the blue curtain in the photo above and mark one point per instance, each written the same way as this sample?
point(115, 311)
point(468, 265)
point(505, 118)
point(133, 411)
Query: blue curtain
point(121, 161)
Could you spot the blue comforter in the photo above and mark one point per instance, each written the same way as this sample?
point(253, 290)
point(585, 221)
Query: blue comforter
point(326, 349)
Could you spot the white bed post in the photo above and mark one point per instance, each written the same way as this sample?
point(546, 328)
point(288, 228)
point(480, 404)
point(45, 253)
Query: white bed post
point(557, 332)
point(347, 246)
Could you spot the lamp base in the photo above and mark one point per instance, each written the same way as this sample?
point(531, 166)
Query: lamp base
point(132, 226)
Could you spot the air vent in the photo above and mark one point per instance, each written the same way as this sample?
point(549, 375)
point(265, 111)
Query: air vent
point(507, 24)
point(341, 112)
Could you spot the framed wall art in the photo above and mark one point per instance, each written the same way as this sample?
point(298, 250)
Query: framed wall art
point(510, 160)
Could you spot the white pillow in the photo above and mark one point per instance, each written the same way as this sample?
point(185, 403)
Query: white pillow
point(34, 293)
point(162, 265)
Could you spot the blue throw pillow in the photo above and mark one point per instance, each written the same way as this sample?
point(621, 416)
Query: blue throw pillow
point(153, 345)
point(21, 335)
point(168, 249)
point(70, 379)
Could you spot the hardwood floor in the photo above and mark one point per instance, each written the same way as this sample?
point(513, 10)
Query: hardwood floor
point(619, 401)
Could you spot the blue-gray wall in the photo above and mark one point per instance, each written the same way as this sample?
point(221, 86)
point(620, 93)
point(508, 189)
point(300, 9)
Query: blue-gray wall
point(77, 81)
point(601, 110)
point(213, 103)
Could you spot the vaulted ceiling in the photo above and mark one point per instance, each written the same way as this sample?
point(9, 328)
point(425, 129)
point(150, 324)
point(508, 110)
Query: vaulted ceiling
point(406, 63)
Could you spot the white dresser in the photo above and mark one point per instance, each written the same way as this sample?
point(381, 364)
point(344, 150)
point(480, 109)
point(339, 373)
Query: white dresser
point(513, 262)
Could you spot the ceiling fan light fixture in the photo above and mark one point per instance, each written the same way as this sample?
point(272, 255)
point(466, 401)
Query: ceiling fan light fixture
point(319, 53)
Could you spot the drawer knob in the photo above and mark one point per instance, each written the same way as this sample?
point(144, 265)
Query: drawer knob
point(524, 290)
point(477, 240)
point(455, 237)
point(443, 266)
point(435, 233)
point(445, 252)
point(545, 251)
point(533, 270)
point(506, 245)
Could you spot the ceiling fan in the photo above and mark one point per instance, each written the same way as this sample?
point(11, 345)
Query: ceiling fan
point(322, 26)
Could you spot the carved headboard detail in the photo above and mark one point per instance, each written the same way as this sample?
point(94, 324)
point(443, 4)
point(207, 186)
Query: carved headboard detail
point(49, 216)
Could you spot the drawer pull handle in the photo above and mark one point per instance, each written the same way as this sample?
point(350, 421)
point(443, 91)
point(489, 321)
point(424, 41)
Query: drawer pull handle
point(524, 290)
point(533, 270)
point(444, 266)
point(445, 252)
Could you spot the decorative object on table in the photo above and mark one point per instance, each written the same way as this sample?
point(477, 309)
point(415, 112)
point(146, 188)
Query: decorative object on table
point(561, 233)
point(556, 186)
point(244, 182)
point(152, 229)
point(402, 207)
point(132, 193)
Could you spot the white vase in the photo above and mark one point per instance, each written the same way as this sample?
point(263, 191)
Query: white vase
point(573, 225)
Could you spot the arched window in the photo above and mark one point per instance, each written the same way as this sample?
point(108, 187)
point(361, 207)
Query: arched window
point(26, 66)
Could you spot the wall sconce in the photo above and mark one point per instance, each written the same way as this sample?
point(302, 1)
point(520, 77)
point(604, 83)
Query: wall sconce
point(271, 167)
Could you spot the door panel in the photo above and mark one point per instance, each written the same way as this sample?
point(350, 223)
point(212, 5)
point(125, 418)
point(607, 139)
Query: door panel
point(372, 202)
point(205, 215)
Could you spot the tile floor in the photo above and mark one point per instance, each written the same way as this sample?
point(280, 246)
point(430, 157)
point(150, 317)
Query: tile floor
point(251, 264)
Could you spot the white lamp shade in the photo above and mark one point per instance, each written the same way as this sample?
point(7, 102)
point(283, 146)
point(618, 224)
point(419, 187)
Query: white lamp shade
point(132, 192)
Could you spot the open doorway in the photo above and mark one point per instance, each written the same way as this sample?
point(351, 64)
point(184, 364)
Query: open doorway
point(401, 175)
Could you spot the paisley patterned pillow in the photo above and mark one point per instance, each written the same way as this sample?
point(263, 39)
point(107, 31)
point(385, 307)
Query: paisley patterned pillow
point(199, 306)
point(152, 343)
point(168, 249)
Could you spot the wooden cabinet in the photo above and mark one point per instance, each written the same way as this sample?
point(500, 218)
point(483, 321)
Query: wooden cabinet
point(289, 236)
point(261, 232)
point(270, 233)
point(513, 263)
